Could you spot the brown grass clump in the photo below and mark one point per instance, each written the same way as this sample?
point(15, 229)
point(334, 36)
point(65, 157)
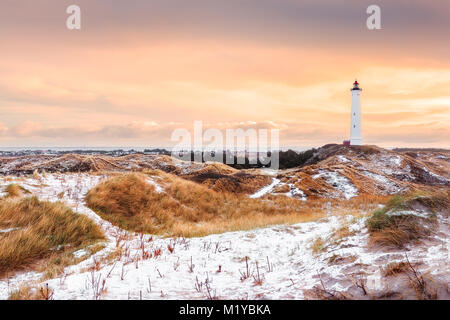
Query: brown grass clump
point(395, 268)
point(188, 209)
point(15, 190)
point(342, 232)
point(229, 181)
point(29, 292)
point(40, 229)
point(25, 293)
point(389, 229)
point(318, 245)
point(131, 203)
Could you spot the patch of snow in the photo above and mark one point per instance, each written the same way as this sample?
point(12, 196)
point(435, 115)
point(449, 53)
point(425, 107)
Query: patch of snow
point(80, 253)
point(342, 159)
point(389, 165)
point(436, 176)
point(420, 214)
point(265, 189)
point(8, 230)
point(296, 192)
point(338, 182)
point(385, 183)
point(158, 188)
point(186, 167)
point(377, 177)
point(396, 160)
point(443, 158)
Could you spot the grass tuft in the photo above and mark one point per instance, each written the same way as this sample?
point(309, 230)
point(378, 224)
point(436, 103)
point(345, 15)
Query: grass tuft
point(14, 190)
point(40, 229)
point(406, 218)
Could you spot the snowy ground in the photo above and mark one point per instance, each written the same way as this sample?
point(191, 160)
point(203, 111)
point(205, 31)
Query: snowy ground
point(265, 189)
point(339, 182)
point(215, 265)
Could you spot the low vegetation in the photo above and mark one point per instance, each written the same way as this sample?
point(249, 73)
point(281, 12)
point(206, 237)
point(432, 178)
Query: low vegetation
point(188, 209)
point(28, 292)
point(395, 268)
point(14, 190)
point(318, 245)
point(406, 219)
point(34, 230)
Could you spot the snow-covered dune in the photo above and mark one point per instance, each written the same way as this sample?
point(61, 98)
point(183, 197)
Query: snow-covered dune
point(288, 258)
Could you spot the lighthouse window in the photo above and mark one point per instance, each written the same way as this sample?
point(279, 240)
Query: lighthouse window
point(354, 126)
point(354, 113)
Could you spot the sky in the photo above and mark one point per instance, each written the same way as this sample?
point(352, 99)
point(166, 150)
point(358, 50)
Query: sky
point(139, 69)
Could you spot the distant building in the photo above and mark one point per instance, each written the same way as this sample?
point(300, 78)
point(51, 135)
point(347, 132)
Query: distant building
point(355, 129)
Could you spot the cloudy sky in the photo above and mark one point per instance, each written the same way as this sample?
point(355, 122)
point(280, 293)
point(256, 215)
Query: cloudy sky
point(139, 69)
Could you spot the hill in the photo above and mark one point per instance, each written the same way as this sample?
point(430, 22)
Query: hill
point(336, 171)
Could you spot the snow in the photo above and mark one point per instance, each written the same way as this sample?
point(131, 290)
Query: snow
point(186, 167)
point(397, 161)
point(390, 165)
point(283, 253)
point(387, 184)
point(409, 213)
point(436, 176)
point(293, 192)
point(343, 159)
point(170, 278)
point(265, 189)
point(8, 230)
point(296, 192)
point(158, 188)
point(80, 253)
point(338, 182)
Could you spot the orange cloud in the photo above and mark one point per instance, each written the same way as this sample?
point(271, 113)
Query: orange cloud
point(130, 83)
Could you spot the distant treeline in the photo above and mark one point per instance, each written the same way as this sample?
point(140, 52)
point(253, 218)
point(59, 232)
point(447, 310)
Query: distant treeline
point(287, 159)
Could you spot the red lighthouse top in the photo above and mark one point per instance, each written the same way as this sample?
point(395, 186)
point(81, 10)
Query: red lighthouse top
point(356, 86)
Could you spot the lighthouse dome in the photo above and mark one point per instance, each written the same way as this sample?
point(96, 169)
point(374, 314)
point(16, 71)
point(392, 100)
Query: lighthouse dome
point(356, 86)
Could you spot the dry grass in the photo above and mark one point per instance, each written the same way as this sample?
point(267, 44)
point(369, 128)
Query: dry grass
point(32, 292)
point(366, 202)
point(397, 230)
point(14, 190)
point(318, 245)
point(225, 181)
point(25, 293)
point(342, 232)
point(41, 230)
point(395, 268)
point(189, 209)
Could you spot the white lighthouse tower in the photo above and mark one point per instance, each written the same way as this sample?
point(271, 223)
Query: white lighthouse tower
point(355, 130)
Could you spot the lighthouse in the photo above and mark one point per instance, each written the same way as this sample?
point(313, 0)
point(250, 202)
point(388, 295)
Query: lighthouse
point(355, 129)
